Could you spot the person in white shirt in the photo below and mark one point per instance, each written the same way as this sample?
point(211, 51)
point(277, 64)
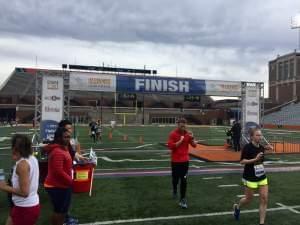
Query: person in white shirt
point(25, 182)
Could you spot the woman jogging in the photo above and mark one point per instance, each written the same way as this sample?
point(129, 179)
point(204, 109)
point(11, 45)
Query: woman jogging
point(254, 177)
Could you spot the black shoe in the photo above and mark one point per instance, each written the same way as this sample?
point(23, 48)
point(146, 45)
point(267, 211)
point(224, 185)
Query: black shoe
point(174, 196)
point(236, 212)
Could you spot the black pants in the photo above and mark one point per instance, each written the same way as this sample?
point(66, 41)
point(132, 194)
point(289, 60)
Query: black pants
point(179, 172)
point(236, 143)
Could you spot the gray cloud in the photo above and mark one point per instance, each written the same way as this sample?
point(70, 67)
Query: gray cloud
point(232, 23)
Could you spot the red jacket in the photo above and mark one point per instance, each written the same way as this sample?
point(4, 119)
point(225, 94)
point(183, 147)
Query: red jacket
point(181, 152)
point(59, 167)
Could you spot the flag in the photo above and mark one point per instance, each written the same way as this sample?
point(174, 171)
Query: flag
point(93, 157)
point(295, 22)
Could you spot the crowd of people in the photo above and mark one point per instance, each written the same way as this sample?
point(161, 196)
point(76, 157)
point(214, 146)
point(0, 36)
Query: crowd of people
point(23, 188)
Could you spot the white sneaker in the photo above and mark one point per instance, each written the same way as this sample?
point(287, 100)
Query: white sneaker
point(183, 203)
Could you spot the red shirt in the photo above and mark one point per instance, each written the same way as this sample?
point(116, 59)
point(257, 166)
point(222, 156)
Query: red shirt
point(59, 167)
point(181, 152)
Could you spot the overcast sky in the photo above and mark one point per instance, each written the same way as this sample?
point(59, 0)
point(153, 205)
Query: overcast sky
point(203, 39)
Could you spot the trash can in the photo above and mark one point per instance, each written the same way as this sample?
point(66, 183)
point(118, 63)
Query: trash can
point(83, 175)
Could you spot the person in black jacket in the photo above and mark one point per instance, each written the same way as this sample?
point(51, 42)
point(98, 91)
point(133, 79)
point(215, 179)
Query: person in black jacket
point(236, 135)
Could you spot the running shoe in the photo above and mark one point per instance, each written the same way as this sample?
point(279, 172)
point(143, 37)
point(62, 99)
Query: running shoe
point(236, 212)
point(183, 203)
point(71, 221)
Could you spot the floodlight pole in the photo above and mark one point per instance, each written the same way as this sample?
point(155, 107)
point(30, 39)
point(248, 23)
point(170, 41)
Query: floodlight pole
point(143, 119)
point(295, 24)
point(299, 38)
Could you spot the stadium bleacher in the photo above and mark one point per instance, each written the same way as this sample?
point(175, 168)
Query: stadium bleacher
point(287, 115)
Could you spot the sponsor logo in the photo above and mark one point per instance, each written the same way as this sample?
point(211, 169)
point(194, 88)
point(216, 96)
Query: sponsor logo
point(251, 113)
point(52, 85)
point(252, 93)
point(231, 87)
point(99, 82)
point(252, 103)
point(161, 85)
point(51, 109)
point(52, 98)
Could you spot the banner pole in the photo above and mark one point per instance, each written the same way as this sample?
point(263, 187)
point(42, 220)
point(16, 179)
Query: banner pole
point(91, 186)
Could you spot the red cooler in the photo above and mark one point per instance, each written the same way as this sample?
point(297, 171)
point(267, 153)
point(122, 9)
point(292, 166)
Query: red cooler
point(82, 177)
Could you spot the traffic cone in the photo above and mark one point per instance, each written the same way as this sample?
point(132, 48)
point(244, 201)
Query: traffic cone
point(141, 140)
point(110, 135)
point(125, 137)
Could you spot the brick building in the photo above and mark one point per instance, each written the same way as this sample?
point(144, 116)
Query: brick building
point(284, 78)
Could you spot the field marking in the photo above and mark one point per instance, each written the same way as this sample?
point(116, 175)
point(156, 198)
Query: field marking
point(141, 146)
point(278, 130)
point(280, 208)
point(128, 169)
point(2, 139)
point(142, 168)
point(229, 163)
point(5, 147)
point(216, 139)
point(228, 185)
point(21, 132)
point(242, 196)
point(281, 162)
point(288, 208)
point(212, 178)
point(107, 159)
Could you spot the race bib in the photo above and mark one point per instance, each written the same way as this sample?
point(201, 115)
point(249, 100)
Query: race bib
point(259, 170)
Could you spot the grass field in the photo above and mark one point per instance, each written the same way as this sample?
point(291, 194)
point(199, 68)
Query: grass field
point(130, 198)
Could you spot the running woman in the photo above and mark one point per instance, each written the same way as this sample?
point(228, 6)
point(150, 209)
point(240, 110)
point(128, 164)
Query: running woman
point(254, 177)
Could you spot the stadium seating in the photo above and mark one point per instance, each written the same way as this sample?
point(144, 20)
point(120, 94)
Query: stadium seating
point(287, 115)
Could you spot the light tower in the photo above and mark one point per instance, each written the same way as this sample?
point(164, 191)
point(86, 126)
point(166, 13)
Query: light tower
point(295, 24)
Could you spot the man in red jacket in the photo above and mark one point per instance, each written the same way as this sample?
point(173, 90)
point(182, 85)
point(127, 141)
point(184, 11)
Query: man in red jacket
point(178, 142)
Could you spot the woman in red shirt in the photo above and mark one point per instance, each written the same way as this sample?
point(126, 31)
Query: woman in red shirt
point(58, 182)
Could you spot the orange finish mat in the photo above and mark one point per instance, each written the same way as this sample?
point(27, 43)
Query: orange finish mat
point(226, 154)
point(215, 153)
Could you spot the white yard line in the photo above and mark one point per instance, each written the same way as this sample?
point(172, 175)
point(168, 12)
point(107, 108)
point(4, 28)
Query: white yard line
point(134, 168)
point(141, 146)
point(21, 132)
point(2, 139)
point(107, 159)
point(212, 178)
point(280, 208)
point(228, 185)
point(242, 196)
point(288, 208)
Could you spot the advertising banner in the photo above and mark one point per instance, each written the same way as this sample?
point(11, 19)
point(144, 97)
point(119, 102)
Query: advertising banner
point(52, 105)
point(92, 82)
point(223, 88)
point(252, 104)
point(163, 85)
